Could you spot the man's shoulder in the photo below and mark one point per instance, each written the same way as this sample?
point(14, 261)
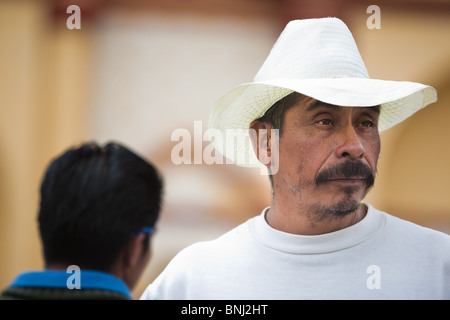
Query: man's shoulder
point(415, 233)
point(193, 265)
point(410, 226)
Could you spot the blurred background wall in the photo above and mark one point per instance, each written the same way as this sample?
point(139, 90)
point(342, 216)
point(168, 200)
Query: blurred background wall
point(138, 70)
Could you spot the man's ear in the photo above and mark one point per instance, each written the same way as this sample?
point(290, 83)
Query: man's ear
point(133, 259)
point(260, 134)
point(134, 250)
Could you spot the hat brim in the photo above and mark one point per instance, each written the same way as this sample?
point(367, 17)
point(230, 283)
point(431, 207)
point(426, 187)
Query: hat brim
point(239, 107)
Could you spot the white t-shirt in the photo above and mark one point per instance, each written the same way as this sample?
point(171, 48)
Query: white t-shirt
point(380, 257)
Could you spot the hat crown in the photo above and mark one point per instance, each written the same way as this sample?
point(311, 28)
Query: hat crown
point(313, 49)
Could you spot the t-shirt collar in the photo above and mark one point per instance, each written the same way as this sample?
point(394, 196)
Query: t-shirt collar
point(89, 279)
point(316, 244)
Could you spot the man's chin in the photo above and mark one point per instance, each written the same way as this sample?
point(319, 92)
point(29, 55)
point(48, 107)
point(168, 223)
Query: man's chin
point(336, 210)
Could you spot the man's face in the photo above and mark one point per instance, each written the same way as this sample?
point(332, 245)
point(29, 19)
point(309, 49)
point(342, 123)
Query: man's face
point(327, 156)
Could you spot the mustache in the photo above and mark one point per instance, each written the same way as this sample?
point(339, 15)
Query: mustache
point(347, 170)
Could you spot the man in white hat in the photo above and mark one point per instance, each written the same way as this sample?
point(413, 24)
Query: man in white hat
point(316, 116)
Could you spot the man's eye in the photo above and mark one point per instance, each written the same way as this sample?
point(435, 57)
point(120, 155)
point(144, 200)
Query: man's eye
point(325, 122)
point(367, 124)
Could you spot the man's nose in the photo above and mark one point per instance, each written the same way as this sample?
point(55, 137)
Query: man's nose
point(350, 145)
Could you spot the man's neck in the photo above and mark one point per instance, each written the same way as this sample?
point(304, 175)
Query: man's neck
point(300, 221)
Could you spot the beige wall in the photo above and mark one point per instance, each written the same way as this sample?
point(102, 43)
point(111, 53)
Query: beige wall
point(44, 77)
point(22, 32)
point(107, 80)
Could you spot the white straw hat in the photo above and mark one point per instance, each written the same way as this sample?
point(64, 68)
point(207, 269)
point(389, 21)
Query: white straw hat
point(318, 58)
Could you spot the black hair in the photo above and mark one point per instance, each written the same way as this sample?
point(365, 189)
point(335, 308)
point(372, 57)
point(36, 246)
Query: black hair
point(275, 114)
point(93, 200)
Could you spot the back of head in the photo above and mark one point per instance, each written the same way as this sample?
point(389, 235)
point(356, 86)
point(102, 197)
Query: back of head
point(93, 200)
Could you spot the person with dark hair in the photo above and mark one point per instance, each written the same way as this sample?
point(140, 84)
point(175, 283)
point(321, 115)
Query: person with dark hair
point(312, 118)
point(98, 208)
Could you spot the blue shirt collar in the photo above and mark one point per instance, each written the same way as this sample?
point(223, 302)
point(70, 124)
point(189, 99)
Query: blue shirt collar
point(89, 279)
